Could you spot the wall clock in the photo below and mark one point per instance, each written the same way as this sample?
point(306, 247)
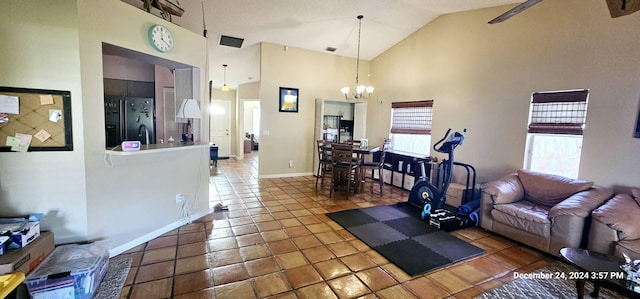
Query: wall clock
point(161, 38)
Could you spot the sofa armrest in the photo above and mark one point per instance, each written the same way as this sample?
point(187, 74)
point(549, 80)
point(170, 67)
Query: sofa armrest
point(505, 190)
point(582, 203)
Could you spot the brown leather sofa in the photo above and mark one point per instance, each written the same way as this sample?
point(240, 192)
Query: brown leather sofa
point(615, 227)
point(543, 211)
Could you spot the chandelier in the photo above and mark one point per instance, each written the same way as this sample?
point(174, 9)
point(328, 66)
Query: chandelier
point(360, 89)
point(225, 87)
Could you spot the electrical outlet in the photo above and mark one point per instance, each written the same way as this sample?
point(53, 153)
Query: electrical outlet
point(179, 198)
point(290, 163)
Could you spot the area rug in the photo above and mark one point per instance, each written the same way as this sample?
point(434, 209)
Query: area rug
point(114, 279)
point(546, 288)
point(399, 235)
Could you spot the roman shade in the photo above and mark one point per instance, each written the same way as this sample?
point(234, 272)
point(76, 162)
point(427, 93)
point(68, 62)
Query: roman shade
point(562, 112)
point(411, 117)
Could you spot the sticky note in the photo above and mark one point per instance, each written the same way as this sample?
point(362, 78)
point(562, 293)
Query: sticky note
point(55, 115)
point(42, 135)
point(25, 141)
point(12, 141)
point(9, 104)
point(46, 99)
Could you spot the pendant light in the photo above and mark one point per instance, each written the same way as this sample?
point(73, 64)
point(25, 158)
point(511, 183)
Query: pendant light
point(359, 93)
point(225, 87)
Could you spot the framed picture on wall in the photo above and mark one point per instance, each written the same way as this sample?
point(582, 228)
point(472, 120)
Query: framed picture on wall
point(288, 99)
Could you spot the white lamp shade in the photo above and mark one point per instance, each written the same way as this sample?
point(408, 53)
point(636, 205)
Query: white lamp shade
point(189, 109)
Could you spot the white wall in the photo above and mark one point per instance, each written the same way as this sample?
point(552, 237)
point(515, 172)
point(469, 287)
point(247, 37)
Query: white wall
point(481, 78)
point(81, 196)
point(43, 53)
point(137, 195)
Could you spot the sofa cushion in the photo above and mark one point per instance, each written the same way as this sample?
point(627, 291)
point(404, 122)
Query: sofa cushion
point(506, 190)
point(630, 247)
point(548, 189)
point(524, 215)
point(620, 213)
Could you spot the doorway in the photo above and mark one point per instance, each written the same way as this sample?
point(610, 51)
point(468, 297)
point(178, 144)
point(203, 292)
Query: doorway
point(221, 127)
point(251, 125)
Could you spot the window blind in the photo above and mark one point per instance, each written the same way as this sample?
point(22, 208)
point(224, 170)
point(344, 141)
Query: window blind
point(411, 117)
point(562, 112)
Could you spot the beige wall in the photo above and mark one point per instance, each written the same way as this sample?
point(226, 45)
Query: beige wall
point(137, 195)
point(52, 183)
point(291, 136)
point(481, 78)
point(81, 196)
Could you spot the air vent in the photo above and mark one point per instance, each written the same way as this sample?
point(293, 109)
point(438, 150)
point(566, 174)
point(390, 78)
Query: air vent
point(231, 41)
point(330, 49)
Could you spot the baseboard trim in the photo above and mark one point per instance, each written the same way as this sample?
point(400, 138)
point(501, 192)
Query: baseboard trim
point(284, 175)
point(152, 235)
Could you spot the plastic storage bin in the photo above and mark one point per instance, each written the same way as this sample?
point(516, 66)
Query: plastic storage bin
point(70, 271)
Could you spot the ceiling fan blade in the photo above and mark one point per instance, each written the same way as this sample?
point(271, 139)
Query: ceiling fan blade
point(516, 10)
point(619, 8)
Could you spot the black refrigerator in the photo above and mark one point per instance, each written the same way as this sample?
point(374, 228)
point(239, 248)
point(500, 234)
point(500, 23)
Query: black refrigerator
point(129, 119)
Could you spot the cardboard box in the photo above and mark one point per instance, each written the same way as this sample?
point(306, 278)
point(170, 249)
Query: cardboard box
point(20, 233)
point(70, 271)
point(3, 240)
point(27, 258)
point(455, 194)
point(26, 236)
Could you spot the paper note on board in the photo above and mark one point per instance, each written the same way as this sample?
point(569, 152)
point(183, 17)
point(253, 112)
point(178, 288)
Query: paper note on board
point(25, 141)
point(9, 104)
point(12, 141)
point(42, 135)
point(46, 99)
point(55, 115)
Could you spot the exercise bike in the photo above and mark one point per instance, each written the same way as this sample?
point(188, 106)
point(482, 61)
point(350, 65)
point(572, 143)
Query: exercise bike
point(426, 196)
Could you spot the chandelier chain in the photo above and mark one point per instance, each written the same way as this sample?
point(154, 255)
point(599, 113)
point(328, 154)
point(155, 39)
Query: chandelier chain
point(358, 55)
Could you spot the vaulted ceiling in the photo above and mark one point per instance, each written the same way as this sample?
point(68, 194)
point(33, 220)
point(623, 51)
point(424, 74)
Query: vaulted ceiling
point(308, 24)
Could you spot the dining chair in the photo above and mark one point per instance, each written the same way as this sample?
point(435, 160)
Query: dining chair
point(355, 143)
point(343, 168)
point(375, 165)
point(324, 164)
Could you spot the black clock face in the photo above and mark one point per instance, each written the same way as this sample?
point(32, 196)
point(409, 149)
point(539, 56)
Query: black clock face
point(161, 38)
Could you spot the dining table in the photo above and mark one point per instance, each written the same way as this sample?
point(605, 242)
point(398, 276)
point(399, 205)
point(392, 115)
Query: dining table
point(361, 153)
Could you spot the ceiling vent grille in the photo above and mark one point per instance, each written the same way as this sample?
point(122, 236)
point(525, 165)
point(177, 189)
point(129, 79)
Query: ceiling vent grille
point(231, 41)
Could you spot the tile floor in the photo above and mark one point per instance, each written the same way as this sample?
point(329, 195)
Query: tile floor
point(276, 242)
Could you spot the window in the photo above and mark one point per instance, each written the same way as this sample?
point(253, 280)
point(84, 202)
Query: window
point(556, 125)
point(411, 126)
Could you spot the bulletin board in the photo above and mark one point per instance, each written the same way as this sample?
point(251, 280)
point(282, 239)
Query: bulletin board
point(43, 116)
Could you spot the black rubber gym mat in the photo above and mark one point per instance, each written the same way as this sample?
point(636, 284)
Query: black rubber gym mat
point(400, 236)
